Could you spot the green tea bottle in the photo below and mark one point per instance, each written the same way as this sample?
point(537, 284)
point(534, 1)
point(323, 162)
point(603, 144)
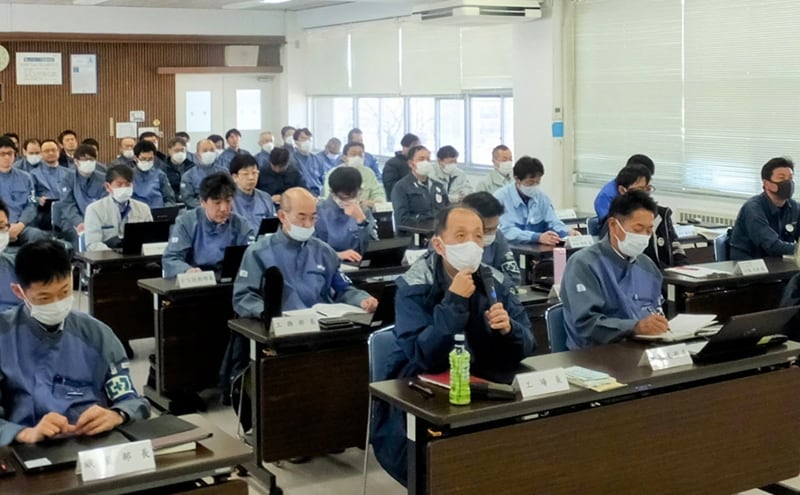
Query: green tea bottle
point(459, 372)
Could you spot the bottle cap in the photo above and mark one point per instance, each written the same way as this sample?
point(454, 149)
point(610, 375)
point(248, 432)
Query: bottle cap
point(459, 337)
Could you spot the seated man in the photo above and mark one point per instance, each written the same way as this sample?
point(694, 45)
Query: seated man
point(397, 166)
point(266, 143)
point(17, 191)
point(80, 188)
point(31, 155)
point(529, 215)
point(199, 237)
point(234, 138)
point(610, 190)
point(446, 171)
point(178, 164)
point(7, 276)
point(308, 163)
point(280, 175)
point(82, 384)
point(94, 145)
point(441, 295)
point(611, 290)
point(496, 252)
point(190, 181)
point(331, 155)
point(416, 198)
point(371, 190)
point(341, 222)
point(500, 175)
point(126, 156)
point(106, 218)
point(310, 267)
point(150, 184)
point(47, 182)
point(249, 203)
point(356, 136)
point(767, 224)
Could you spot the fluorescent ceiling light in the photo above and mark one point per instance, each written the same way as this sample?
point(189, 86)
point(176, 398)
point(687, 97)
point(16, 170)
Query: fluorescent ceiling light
point(88, 2)
point(274, 1)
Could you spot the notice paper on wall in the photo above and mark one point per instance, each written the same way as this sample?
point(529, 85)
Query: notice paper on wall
point(38, 68)
point(83, 74)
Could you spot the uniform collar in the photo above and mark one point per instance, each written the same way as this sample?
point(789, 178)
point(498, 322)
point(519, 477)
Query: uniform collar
point(773, 208)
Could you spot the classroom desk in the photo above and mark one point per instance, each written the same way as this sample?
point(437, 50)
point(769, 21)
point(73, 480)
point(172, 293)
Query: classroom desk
point(114, 296)
point(536, 302)
point(530, 255)
point(191, 334)
point(215, 457)
point(310, 392)
point(698, 249)
point(728, 295)
point(712, 429)
point(422, 232)
point(380, 284)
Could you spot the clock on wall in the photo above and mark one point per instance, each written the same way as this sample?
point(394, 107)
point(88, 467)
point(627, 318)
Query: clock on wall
point(4, 58)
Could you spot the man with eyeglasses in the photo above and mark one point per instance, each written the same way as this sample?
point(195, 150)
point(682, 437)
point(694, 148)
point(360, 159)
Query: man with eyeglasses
point(609, 191)
point(248, 202)
point(17, 191)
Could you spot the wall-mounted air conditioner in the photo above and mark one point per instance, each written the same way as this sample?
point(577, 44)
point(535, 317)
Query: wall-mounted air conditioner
point(472, 12)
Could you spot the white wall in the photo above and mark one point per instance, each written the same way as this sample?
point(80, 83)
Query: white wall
point(291, 92)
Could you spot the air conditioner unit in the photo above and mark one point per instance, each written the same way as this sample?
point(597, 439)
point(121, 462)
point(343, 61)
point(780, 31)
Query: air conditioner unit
point(475, 12)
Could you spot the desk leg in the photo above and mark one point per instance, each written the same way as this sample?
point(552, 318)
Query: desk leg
point(417, 462)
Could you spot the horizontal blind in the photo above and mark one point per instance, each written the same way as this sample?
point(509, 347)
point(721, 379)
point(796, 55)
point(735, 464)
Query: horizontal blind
point(375, 58)
point(479, 72)
point(430, 60)
point(326, 64)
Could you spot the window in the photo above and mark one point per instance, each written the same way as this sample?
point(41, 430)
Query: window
point(198, 111)
point(422, 121)
point(486, 128)
point(248, 109)
point(451, 126)
point(508, 122)
point(369, 113)
point(331, 117)
point(392, 125)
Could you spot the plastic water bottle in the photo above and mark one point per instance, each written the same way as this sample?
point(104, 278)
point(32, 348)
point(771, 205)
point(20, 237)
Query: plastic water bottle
point(459, 373)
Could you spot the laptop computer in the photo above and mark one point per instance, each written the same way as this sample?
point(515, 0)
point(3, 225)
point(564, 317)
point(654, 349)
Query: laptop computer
point(166, 214)
point(230, 263)
point(61, 452)
point(269, 225)
point(745, 335)
point(137, 234)
point(384, 253)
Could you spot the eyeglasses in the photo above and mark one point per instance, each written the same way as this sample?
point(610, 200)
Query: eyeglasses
point(6, 153)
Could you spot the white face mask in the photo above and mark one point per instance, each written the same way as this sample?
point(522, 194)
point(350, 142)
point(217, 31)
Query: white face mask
point(144, 166)
point(178, 157)
point(301, 234)
point(634, 244)
point(464, 256)
point(127, 154)
point(449, 168)
point(4, 239)
point(268, 147)
point(289, 140)
point(332, 156)
point(355, 161)
point(505, 168)
point(342, 203)
point(34, 159)
point(424, 168)
point(304, 146)
point(53, 313)
point(529, 191)
point(122, 194)
point(208, 157)
point(488, 239)
point(86, 167)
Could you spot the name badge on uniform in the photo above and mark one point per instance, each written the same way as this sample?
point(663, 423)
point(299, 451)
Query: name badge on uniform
point(789, 228)
point(438, 198)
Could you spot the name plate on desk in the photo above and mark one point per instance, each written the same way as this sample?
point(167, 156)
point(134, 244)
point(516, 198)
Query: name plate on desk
point(566, 214)
point(304, 322)
point(386, 207)
point(536, 383)
point(751, 267)
point(684, 231)
point(116, 460)
point(578, 241)
point(154, 248)
point(670, 356)
point(196, 279)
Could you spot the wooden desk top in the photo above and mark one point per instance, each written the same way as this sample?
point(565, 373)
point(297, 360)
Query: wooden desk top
point(253, 329)
point(169, 287)
point(112, 257)
point(216, 452)
point(619, 360)
point(779, 269)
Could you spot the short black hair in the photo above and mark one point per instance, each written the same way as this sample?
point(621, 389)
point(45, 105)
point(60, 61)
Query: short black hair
point(42, 261)
point(769, 167)
point(64, 134)
point(242, 161)
point(176, 140)
point(642, 160)
point(216, 138)
point(353, 132)
point(30, 141)
point(625, 204)
point(218, 185)
point(302, 130)
point(279, 157)
point(91, 142)
point(231, 132)
point(414, 149)
point(484, 203)
point(86, 150)
point(345, 180)
point(144, 147)
point(499, 147)
point(351, 144)
point(4, 208)
point(528, 167)
point(631, 173)
point(48, 140)
point(12, 135)
point(443, 215)
point(408, 140)
point(446, 152)
point(286, 129)
point(184, 135)
point(6, 142)
point(115, 171)
point(147, 134)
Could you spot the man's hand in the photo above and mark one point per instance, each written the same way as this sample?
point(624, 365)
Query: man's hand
point(15, 230)
point(276, 198)
point(349, 255)
point(498, 318)
point(194, 270)
point(462, 284)
point(42, 200)
point(80, 228)
point(369, 304)
point(549, 238)
point(573, 232)
point(96, 420)
point(652, 325)
point(354, 211)
point(50, 425)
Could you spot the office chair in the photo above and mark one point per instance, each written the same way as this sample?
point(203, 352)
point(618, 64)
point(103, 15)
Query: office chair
point(593, 226)
point(556, 330)
point(722, 247)
point(379, 346)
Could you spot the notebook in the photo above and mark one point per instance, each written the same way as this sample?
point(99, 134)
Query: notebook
point(165, 431)
point(62, 452)
point(383, 253)
point(685, 327)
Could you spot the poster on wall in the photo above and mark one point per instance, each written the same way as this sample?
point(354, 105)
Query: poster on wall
point(38, 68)
point(83, 74)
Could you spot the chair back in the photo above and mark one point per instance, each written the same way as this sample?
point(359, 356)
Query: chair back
point(722, 247)
point(556, 330)
point(379, 347)
point(593, 226)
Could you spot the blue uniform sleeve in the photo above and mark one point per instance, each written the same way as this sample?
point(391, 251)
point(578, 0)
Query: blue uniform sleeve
point(190, 196)
point(553, 222)
point(166, 190)
point(118, 387)
point(29, 212)
point(247, 300)
point(604, 198)
point(8, 430)
point(519, 342)
point(70, 212)
point(762, 234)
point(368, 232)
point(505, 262)
point(180, 243)
point(344, 292)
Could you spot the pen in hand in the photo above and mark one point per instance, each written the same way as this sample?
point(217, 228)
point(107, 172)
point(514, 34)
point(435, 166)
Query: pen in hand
point(424, 391)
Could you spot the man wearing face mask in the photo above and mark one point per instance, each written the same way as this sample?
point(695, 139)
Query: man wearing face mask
point(442, 294)
point(8, 299)
point(250, 203)
point(416, 198)
point(219, 143)
point(234, 139)
point(62, 372)
point(126, 156)
point(496, 252)
point(767, 224)
point(397, 167)
point(160, 161)
point(371, 190)
point(190, 181)
point(106, 218)
point(17, 191)
point(187, 144)
point(279, 176)
point(266, 143)
point(80, 188)
point(331, 155)
point(447, 172)
point(309, 164)
point(287, 135)
point(356, 136)
point(48, 179)
point(199, 237)
point(31, 155)
point(611, 290)
point(309, 266)
point(150, 184)
point(177, 165)
point(341, 222)
point(500, 176)
point(529, 215)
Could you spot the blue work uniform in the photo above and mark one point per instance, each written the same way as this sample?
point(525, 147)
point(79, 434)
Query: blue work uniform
point(499, 256)
point(175, 175)
point(48, 180)
point(272, 182)
point(17, 191)
point(429, 315)
point(328, 162)
point(77, 192)
point(8, 299)
point(602, 202)
point(262, 158)
point(526, 219)
point(310, 271)
point(197, 242)
point(23, 164)
point(226, 157)
point(415, 202)
point(312, 169)
point(763, 229)
point(605, 294)
point(253, 207)
point(67, 370)
point(341, 231)
point(152, 188)
point(190, 182)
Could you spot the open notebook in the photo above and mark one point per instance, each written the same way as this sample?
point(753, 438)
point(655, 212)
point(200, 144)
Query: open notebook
point(685, 327)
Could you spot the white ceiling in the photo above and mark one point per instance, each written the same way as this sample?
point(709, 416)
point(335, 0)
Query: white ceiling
point(193, 4)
